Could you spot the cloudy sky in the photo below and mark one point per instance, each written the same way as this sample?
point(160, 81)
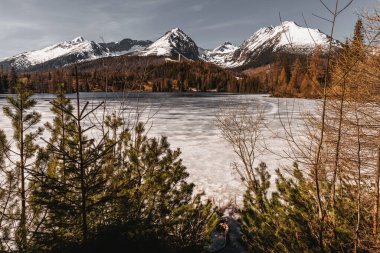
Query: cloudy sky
point(32, 24)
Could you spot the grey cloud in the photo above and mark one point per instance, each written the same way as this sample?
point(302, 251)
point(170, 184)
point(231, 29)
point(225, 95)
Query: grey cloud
point(32, 24)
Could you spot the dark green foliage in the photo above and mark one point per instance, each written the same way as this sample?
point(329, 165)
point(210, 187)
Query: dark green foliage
point(3, 148)
point(137, 196)
point(258, 226)
point(119, 190)
point(288, 220)
point(7, 183)
point(154, 203)
point(298, 230)
point(71, 179)
point(24, 119)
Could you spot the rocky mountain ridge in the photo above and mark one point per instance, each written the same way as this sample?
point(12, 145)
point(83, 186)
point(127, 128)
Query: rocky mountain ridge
point(257, 50)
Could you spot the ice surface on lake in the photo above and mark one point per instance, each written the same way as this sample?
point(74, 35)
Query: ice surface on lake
point(188, 120)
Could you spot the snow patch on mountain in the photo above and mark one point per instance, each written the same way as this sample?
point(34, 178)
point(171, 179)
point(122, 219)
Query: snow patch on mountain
point(78, 46)
point(287, 37)
point(222, 55)
point(173, 43)
point(133, 49)
point(125, 46)
point(226, 48)
point(78, 40)
point(74, 51)
point(258, 49)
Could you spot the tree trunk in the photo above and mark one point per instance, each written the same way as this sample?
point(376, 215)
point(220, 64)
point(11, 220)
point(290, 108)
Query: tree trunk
point(376, 195)
point(22, 175)
point(337, 150)
point(358, 196)
point(81, 165)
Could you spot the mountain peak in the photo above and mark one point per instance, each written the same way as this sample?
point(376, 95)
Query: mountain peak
point(221, 55)
point(79, 39)
point(287, 37)
point(289, 23)
point(226, 47)
point(172, 43)
point(176, 32)
point(260, 48)
point(176, 29)
point(73, 51)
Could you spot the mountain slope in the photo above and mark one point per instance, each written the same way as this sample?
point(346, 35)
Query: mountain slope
point(74, 51)
point(126, 46)
point(222, 55)
point(287, 37)
point(259, 49)
point(172, 44)
point(77, 48)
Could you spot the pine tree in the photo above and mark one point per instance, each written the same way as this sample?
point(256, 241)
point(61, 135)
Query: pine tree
point(306, 87)
point(294, 83)
point(154, 203)
point(357, 46)
point(3, 148)
point(298, 229)
point(192, 227)
point(258, 224)
point(23, 118)
point(12, 80)
point(53, 174)
point(287, 221)
point(6, 185)
point(9, 194)
point(310, 86)
point(72, 177)
point(283, 82)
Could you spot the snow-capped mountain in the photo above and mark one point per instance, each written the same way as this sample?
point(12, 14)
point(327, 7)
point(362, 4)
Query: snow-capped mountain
point(287, 37)
point(173, 43)
point(259, 49)
point(73, 51)
point(126, 46)
point(222, 55)
point(78, 49)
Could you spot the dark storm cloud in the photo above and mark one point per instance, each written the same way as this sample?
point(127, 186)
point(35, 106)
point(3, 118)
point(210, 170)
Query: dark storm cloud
point(32, 24)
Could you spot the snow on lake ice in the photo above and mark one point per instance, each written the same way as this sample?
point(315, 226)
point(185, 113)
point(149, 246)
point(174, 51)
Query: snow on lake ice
point(188, 120)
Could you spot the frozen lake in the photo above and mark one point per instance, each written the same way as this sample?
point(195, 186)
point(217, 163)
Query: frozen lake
point(188, 120)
